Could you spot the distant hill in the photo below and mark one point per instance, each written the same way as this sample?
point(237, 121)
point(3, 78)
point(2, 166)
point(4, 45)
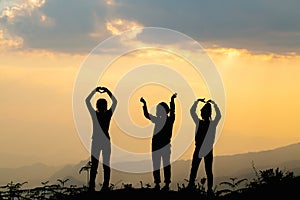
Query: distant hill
point(33, 174)
point(285, 157)
point(239, 165)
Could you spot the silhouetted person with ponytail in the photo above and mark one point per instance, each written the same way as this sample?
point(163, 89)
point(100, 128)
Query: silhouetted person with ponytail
point(161, 139)
point(101, 117)
point(204, 140)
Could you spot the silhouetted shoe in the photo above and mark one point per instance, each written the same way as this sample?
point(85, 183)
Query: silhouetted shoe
point(191, 186)
point(166, 188)
point(156, 187)
point(91, 190)
point(210, 193)
point(91, 187)
point(104, 189)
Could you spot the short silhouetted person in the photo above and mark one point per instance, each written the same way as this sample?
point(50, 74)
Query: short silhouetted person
point(101, 117)
point(161, 139)
point(204, 140)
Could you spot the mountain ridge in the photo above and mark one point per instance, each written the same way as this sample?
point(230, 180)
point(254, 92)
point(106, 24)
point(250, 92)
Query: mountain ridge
point(236, 165)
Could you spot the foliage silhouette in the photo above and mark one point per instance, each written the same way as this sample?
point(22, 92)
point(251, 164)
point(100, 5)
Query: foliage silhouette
point(233, 186)
point(87, 168)
point(268, 183)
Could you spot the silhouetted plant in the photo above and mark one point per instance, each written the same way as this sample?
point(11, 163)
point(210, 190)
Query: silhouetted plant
point(182, 186)
point(197, 186)
point(87, 168)
point(269, 181)
point(201, 184)
point(62, 182)
point(141, 182)
point(44, 189)
point(233, 186)
point(270, 177)
point(13, 190)
point(110, 187)
point(72, 190)
point(45, 183)
point(127, 186)
point(147, 185)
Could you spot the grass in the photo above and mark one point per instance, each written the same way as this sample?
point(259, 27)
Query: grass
point(268, 183)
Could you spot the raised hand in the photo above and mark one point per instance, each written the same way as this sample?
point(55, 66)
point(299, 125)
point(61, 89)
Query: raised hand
point(174, 96)
point(142, 100)
point(202, 100)
point(210, 101)
point(98, 89)
point(101, 89)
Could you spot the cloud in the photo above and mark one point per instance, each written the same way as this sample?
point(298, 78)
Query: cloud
point(118, 26)
point(110, 2)
point(7, 42)
point(25, 7)
point(65, 26)
point(79, 25)
point(8, 14)
point(258, 25)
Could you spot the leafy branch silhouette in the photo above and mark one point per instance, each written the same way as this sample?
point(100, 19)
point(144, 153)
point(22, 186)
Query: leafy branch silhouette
point(87, 168)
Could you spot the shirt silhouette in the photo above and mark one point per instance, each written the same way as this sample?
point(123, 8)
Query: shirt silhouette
point(161, 139)
point(101, 118)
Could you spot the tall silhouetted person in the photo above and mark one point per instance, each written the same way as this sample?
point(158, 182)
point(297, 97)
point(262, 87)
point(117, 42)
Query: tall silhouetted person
point(161, 139)
point(101, 117)
point(204, 140)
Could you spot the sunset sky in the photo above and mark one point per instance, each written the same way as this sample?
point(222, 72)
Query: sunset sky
point(254, 45)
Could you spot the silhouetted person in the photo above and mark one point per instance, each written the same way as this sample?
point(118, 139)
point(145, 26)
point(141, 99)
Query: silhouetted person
point(204, 140)
point(100, 139)
point(161, 139)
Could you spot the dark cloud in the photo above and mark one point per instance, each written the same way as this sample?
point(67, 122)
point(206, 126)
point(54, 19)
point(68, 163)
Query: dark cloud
point(70, 24)
point(257, 25)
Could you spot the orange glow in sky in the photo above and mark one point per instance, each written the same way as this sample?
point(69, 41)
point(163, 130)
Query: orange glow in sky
point(262, 95)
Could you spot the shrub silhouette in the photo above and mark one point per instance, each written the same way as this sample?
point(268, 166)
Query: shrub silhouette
point(268, 183)
point(87, 168)
point(270, 176)
point(233, 186)
point(12, 190)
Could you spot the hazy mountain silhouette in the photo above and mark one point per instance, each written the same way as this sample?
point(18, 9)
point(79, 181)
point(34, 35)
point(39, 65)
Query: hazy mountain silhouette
point(239, 165)
point(242, 162)
point(33, 174)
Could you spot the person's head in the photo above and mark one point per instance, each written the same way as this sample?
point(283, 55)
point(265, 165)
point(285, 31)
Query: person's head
point(162, 109)
point(206, 111)
point(101, 105)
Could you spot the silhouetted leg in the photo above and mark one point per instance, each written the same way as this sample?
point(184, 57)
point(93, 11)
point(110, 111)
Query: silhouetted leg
point(208, 160)
point(156, 158)
point(195, 165)
point(106, 166)
point(166, 163)
point(106, 171)
point(93, 173)
point(94, 166)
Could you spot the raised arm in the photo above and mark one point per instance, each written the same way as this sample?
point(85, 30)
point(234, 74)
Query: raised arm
point(217, 109)
point(112, 97)
point(145, 110)
point(193, 110)
point(88, 100)
point(172, 105)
